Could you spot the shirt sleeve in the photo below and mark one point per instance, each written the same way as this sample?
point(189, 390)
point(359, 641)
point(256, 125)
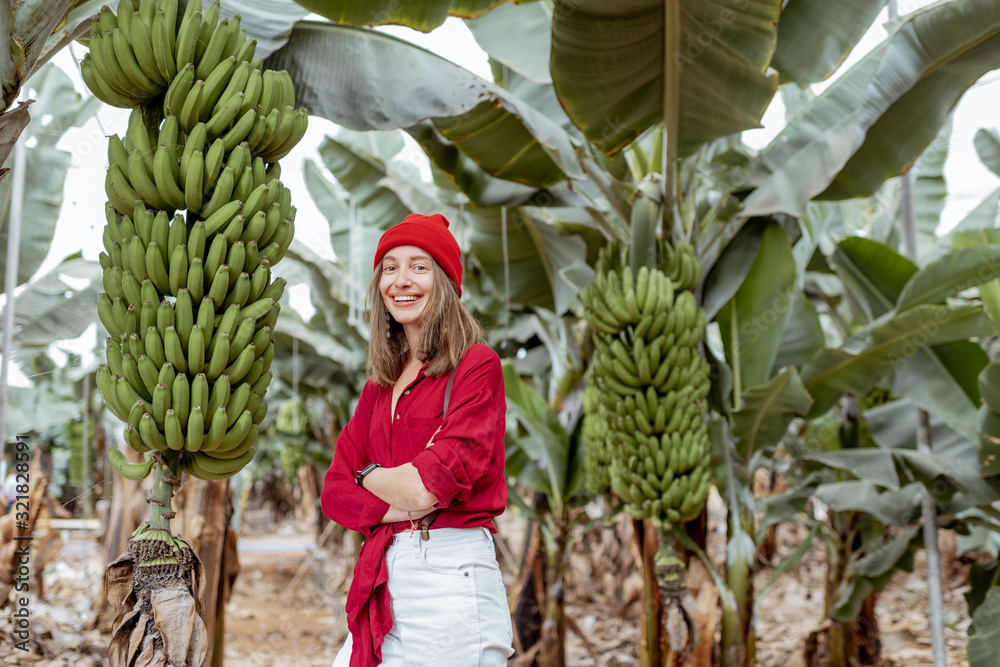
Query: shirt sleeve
point(342, 499)
point(469, 438)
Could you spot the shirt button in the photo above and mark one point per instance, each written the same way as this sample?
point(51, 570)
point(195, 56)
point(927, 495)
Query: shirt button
point(406, 393)
point(397, 415)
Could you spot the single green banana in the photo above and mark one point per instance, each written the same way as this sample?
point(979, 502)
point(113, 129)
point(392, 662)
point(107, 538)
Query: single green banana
point(194, 181)
point(141, 40)
point(219, 355)
point(196, 350)
point(174, 350)
point(196, 280)
point(178, 268)
point(184, 314)
point(195, 430)
point(216, 82)
point(187, 40)
point(155, 269)
point(173, 431)
point(128, 469)
point(151, 435)
point(177, 92)
point(221, 194)
point(164, 164)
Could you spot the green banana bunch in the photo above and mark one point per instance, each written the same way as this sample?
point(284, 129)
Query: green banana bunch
point(597, 454)
point(650, 385)
point(189, 300)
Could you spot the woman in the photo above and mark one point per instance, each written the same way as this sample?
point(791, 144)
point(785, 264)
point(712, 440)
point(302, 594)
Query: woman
point(422, 485)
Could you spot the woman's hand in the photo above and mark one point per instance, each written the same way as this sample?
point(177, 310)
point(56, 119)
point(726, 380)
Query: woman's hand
point(394, 515)
point(401, 487)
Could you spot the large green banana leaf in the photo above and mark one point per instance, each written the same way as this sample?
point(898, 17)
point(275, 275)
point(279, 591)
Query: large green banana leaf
point(537, 436)
point(938, 378)
point(465, 175)
point(730, 270)
point(987, 144)
point(803, 336)
point(518, 37)
point(58, 108)
point(989, 292)
point(752, 323)
point(381, 82)
point(423, 15)
point(377, 206)
point(893, 469)
point(988, 420)
point(608, 67)
point(894, 426)
point(815, 36)
point(930, 189)
point(767, 411)
point(873, 272)
point(536, 251)
point(959, 270)
point(881, 346)
point(875, 120)
point(984, 635)
point(57, 306)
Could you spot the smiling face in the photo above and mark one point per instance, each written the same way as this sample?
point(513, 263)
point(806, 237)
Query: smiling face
point(406, 284)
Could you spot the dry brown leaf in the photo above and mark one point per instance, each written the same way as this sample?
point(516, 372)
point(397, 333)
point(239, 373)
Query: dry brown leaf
point(138, 634)
point(118, 655)
point(199, 646)
point(174, 616)
point(146, 656)
point(118, 582)
point(681, 626)
point(707, 607)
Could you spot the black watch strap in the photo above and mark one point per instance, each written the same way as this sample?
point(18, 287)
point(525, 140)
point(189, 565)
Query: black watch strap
point(359, 476)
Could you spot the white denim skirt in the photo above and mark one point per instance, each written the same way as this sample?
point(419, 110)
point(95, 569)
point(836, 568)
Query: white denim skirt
point(449, 605)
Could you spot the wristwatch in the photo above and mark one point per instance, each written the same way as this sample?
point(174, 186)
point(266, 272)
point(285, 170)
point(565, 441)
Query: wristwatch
point(360, 475)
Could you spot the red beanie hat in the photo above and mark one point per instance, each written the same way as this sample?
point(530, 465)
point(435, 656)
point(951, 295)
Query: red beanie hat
point(430, 234)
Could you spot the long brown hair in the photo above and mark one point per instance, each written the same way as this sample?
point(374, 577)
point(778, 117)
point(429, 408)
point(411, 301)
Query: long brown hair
point(447, 331)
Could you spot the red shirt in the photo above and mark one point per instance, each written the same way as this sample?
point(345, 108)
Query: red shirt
point(464, 469)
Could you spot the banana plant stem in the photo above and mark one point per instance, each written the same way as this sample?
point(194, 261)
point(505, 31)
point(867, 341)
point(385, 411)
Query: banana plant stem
point(164, 481)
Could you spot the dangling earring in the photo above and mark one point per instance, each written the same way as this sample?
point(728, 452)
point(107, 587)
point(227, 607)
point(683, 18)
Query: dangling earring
point(388, 326)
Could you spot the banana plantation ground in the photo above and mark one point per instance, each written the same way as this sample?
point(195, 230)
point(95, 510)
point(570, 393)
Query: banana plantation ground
point(286, 606)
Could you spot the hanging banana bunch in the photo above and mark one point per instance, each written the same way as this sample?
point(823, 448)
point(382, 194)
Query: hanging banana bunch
point(196, 219)
point(651, 383)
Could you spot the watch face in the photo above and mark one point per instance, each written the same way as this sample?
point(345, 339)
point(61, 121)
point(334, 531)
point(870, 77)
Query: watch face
point(359, 477)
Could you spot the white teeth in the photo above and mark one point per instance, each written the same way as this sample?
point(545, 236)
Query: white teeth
point(404, 298)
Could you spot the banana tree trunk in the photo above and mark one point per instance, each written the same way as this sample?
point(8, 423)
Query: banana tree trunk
point(528, 610)
point(855, 642)
point(204, 512)
point(706, 606)
point(652, 606)
point(553, 651)
point(738, 635)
